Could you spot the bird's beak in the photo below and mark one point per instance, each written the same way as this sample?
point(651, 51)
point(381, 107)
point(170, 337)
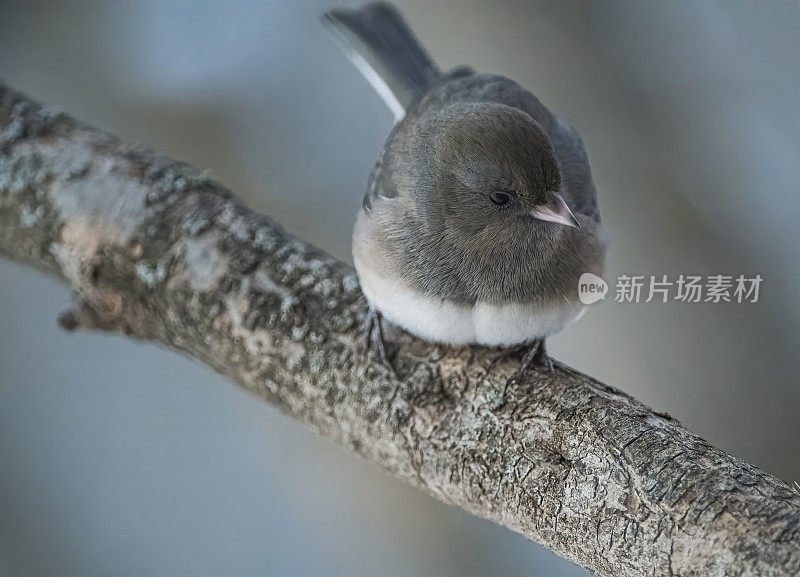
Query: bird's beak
point(556, 210)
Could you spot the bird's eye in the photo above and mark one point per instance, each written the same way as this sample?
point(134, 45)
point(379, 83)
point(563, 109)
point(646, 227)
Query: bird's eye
point(499, 198)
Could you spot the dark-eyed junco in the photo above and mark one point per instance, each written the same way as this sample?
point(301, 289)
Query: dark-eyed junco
point(480, 214)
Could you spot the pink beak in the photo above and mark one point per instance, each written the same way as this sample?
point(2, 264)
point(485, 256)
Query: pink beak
point(556, 211)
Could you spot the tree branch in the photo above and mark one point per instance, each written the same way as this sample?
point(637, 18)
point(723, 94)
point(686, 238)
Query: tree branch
point(157, 250)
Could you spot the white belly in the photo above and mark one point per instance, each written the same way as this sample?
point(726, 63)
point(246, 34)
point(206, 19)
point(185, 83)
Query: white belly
point(446, 322)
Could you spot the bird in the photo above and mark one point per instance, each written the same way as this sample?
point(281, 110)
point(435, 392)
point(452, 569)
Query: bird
point(480, 213)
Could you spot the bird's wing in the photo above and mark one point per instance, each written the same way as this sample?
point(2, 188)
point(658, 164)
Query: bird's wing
point(575, 171)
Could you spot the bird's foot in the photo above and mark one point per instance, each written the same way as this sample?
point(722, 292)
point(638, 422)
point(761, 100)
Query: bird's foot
point(536, 354)
point(374, 324)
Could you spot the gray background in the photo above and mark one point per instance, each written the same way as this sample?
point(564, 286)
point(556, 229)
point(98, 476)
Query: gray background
point(122, 459)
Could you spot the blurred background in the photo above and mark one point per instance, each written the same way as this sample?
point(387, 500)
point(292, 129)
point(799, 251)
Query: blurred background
point(119, 458)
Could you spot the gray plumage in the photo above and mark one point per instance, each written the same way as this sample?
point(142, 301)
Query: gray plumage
point(376, 38)
point(468, 202)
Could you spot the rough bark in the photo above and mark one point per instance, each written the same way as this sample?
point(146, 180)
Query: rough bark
point(157, 250)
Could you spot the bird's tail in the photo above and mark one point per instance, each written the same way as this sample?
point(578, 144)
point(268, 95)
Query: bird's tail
point(383, 48)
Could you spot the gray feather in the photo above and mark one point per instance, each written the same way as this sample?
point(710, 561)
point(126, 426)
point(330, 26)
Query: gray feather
point(385, 51)
point(575, 170)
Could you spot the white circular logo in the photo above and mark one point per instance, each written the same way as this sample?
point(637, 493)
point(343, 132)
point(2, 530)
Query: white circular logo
point(591, 288)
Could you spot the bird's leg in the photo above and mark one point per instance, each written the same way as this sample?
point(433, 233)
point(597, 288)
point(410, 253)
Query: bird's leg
point(375, 320)
point(369, 325)
point(536, 353)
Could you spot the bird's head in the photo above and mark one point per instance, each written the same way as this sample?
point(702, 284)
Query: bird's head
point(492, 170)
